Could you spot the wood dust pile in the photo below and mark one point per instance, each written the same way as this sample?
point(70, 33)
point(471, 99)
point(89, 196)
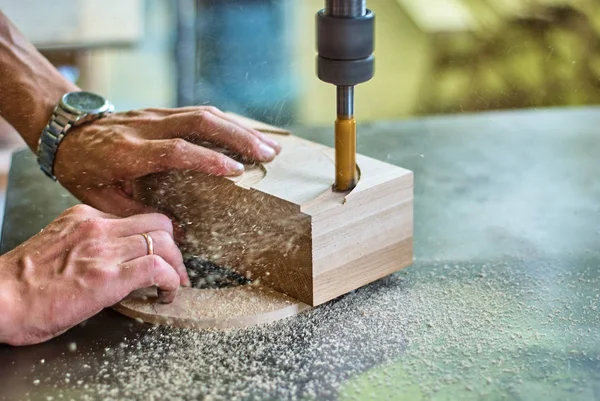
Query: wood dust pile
point(518, 329)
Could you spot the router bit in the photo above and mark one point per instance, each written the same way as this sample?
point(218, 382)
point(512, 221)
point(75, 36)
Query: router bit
point(345, 43)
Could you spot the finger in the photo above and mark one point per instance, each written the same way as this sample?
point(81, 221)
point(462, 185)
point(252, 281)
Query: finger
point(136, 246)
point(209, 127)
point(118, 202)
point(178, 154)
point(148, 271)
point(265, 138)
point(115, 201)
point(218, 112)
point(89, 211)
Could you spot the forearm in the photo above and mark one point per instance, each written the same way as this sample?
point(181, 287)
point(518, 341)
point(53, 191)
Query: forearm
point(8, 300)
point(30, 86)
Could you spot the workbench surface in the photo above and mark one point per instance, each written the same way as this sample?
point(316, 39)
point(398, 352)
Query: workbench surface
point(503, 299)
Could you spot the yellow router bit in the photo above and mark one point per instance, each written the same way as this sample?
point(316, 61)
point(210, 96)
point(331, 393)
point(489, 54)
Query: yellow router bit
point(345, 32)
point(346, 175)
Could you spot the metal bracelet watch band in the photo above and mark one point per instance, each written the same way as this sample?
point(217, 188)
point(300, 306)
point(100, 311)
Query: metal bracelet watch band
point(74, 108)
point(52, 135)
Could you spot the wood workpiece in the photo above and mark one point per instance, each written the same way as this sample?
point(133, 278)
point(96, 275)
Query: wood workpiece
point(223, 308)
point(281, 223)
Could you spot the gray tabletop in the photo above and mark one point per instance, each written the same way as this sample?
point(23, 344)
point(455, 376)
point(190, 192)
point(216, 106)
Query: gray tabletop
point(502, 302)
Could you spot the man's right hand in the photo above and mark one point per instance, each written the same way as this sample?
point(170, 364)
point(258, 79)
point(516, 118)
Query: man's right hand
point(99, 162)
point(84, 261)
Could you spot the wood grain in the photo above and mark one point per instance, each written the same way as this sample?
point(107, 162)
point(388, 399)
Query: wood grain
point(224, 308)
point(283, 224)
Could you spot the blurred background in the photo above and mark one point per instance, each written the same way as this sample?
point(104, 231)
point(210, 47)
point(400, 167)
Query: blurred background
point(257, 57)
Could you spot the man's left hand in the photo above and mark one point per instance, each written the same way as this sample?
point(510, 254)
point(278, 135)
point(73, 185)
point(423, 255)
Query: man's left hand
point(98, 162)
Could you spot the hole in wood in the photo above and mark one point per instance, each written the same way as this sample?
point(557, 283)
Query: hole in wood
point(205, 274)
point(253, 174)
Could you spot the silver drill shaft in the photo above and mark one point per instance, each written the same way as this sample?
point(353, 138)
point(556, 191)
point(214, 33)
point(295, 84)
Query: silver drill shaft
point(345, 101)
point(345, 9)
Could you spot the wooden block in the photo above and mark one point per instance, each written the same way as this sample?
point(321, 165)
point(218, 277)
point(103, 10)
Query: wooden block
point(281, 222)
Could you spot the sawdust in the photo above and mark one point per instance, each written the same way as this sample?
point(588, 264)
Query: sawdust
point(515, 329)
point(224, 223)
point(440, 331)
point(205, 274)
point(246, 230)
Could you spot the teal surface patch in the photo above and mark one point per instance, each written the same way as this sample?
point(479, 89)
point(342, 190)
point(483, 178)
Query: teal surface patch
point(499, 331)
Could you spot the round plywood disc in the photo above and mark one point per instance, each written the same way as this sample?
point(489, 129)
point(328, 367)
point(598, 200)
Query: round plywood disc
point(222, 308)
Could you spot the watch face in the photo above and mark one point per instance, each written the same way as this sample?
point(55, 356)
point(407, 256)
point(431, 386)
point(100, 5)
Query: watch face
point(85, 103)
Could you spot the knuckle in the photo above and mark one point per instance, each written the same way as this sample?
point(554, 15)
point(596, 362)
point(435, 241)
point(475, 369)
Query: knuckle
point(95, 226)
point(156, 262)
point(206, 119)
point(255, 148)
point(211, 109)
point(80, 209)
point(163, 221)
point(163, 238)
point(222, 164)
point(197, 117)
point(217, 166)
point(132, 113)
point(178, 146)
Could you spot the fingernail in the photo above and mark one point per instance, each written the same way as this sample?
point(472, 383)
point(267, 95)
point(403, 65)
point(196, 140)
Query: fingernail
point(178, 232)
point(266, 151)
point(274, 144)
point(234, 166)
point(186, 282)
point(166, 297)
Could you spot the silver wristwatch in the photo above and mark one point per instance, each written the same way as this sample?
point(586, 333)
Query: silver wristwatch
point(75, 108)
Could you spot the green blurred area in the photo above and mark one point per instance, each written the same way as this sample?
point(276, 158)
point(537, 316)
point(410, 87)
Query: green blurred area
point(257, 57)
point(452, 56)
point(516, 54)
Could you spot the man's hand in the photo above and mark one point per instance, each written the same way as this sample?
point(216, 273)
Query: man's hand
point(84, 261)
point(98, 162)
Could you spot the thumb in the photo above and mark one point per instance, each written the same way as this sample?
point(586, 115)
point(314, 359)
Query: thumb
point(114, 200)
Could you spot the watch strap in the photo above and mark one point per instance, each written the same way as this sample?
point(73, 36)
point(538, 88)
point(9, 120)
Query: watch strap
point(60, 123)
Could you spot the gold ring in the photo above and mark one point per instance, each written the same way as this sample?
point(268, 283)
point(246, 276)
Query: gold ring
point(150, 243)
